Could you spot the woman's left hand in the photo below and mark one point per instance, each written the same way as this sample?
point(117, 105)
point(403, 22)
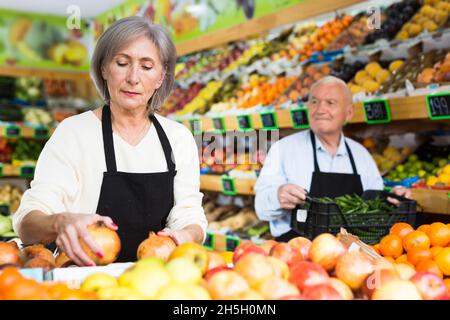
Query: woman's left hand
point(403, 192)
point(178, 236)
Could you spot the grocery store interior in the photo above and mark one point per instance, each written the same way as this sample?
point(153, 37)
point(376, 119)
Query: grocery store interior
point(242, 81)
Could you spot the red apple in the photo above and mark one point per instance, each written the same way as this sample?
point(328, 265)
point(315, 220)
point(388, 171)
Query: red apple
point(397, 290)
point(280, 268)
point(275, 288)
point(430, 286)
point(215, 260)
point(378, 278)
point(353, 268)
point(286, 253)
point(267, 245)
point(302, 244)
point(321, 292)
point(325, 251)
point(297, 297)
point(342, 288)
point(246, 248)
point(213, 271)
point(305, 274)
point(254, 268)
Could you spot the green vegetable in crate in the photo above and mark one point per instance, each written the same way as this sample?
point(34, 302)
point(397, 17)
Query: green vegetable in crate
point(356, 204)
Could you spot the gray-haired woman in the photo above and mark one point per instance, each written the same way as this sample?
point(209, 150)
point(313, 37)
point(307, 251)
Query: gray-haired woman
point(121, 164)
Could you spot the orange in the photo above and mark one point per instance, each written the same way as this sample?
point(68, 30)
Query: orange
point(8, 277)
point(376, 247)
point(428, 265)
point(435, 251)
point(401, 229)
point(447, 284)
point(403, 258)
point(424, 228)
point(24, 289)
point(439, 234)
point(443, 261)
point(416, 239)
point(391, 246)
point(56, 291)
point(416, 254)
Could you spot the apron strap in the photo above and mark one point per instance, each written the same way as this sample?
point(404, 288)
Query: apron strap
point(313, 142)
point(165, 144)
point(108, 142)
point(316, 164)
point(352, 161)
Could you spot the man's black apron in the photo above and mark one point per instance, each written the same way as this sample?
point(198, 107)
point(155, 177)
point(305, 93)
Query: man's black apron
point(324, 184)
point(136, 202)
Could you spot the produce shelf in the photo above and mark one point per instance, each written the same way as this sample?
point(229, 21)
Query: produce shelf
point(22, 131)
point(44, 73)
point(405, 108)
point(9, 170)
point(431, 201)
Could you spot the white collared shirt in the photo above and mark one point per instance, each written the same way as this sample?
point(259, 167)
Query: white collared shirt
point(291, 160)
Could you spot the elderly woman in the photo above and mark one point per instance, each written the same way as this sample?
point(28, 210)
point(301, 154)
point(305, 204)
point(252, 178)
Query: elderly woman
point(121, 164)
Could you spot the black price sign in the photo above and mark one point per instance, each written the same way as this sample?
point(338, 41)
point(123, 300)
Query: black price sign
point(27, 171)
point(269, 121)
point(439, 106)
point(4, 209)
point(40, 133)
point(377, 111)
point(209, 241)
point(12, 132)
point(219, 124)
point(196, 126)
point(299, 117)
point(231, 243)
point(245, 122)
point(228, 186)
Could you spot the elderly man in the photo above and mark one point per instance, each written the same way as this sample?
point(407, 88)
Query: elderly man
point(320, 160)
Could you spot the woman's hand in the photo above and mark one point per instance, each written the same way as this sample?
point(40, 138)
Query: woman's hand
point(191, 233)
point(403, 192)
point(70, 227)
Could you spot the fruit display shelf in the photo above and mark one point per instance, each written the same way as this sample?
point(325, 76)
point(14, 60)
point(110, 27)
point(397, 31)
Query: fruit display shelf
point(23, 171)
point(404, 108)
point(12, 130)
point(429, 200)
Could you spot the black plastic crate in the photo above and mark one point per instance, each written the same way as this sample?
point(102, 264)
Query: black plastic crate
point(369, 227)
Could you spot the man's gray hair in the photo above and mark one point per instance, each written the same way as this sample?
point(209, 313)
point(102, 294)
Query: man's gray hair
point(336, 81)
point(116, 37)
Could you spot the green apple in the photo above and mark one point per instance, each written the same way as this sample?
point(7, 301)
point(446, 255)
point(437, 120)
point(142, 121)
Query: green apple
point(146, 281)
point(184, 271)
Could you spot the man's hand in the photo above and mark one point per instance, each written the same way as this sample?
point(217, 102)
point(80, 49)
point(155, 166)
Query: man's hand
point(399, 192)
point(291, 195)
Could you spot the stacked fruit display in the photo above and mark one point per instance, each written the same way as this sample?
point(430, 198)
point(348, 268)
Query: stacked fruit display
point(202, 99)
point(441, 179)
point(180, 97)
point(426, 249)
point(322, 38)
point(11, 196)
point(387, 158)
point(439, 73)
point(299, 37)
point(372, 77)
point(254, 50)
point(29, 89)
point(6, 150)
point(432, 15)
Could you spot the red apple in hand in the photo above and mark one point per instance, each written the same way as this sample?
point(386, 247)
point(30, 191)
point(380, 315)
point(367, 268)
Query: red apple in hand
point(321, 292)
point(246, 248)
point(430, 286)
point(305, 274)
point(286, 253)
point(302, 244)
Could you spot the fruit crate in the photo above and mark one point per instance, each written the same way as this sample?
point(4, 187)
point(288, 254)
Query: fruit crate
point(369, 227)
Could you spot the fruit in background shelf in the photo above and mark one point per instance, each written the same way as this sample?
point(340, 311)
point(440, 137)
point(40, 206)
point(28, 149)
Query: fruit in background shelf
point(395, 65)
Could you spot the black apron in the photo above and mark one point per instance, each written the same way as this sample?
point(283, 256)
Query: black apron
point(325, 184)
point(137, 202)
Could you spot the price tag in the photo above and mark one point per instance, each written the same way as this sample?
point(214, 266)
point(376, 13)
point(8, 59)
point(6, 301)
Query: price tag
point(27, 171)
point(12, 131)
point(209, 241)
point(377, 111)
point(228, 186)
point(1, 169)
point(196, 126)
point(245, 122)
point(219, 124)
point(4, 209)
point(299, 117)
point(40, 133)
point(439, 106)
point(232, 243)
point(269, 120)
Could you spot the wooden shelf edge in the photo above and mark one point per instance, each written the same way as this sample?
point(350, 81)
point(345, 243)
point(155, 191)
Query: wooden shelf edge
point(44, 73)
point(213, 183)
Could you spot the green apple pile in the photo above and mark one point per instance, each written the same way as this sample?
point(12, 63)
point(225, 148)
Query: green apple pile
point(414, 167)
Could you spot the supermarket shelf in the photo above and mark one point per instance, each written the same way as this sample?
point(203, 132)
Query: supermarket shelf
point(433, 201)
point(9, 170)
point(405, 108)
point(214, 183)
point(44, 73)
point(22, 131)
point(304, 10)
